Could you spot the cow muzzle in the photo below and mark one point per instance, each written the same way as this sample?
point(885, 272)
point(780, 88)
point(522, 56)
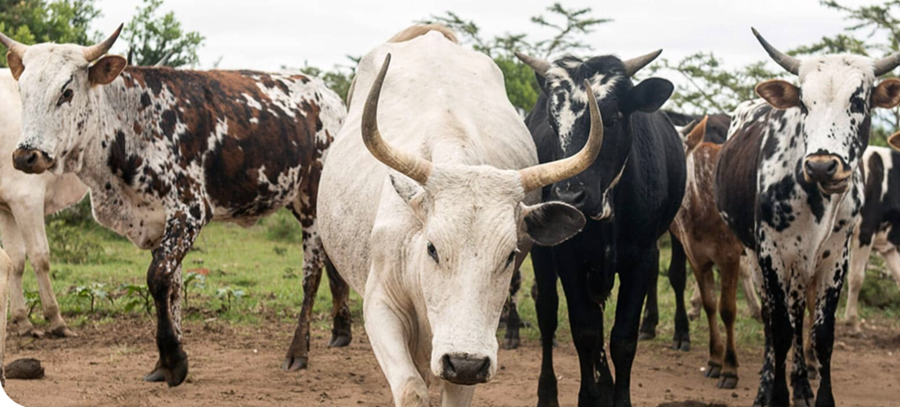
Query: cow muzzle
point(464, 369)
point(828, 172)
point(31, 161)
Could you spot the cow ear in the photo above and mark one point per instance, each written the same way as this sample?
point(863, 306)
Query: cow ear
point(552, 223)
point(894, 141)
point(408, 189)
point(780, 94)
point(887, 94)
point(16, 67)
point(107, 69)
point(649, 95)
point(695, 137)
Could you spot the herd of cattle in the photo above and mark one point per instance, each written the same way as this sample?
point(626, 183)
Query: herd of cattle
point(426, 193)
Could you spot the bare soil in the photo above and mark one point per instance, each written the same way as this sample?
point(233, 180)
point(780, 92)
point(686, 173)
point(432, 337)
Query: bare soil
point(239, 365)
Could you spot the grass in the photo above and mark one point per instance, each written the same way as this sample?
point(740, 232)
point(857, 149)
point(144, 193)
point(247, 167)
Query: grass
point(262, 263)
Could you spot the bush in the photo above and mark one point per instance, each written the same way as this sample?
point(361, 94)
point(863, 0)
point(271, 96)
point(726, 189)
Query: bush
point(283, 227)
point(69, 244)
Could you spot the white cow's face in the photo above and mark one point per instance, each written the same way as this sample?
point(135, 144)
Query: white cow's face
point(471, 225)
point(58, 83)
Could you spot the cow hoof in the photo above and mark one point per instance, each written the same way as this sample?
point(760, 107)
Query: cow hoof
point(511, 343)
point(646, 336)
point(155, 376)
point(713, 371)
point(682, 345)
point(63, 332)
point(805, 402)
point(292, 364)
point(727, 381)
point(30, 331)
point(339, 341)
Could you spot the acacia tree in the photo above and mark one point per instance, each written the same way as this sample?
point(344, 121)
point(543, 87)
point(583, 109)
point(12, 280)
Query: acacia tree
point(153, 37)
point(35, 21)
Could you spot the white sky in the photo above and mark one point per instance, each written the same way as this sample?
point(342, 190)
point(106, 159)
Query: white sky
point(266, 34)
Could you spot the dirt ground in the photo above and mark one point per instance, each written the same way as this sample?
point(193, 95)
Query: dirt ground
point(239, 365)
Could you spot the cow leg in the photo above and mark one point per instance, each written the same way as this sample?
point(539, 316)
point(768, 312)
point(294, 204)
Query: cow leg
point(15, 248)
point(387, 331)
point(341, 332)
point(707, 283)
point(812, 365)
point(892, 260)
point(749, 288)
point(164, 283)
point(586, 333)
point(511, 310)
point(859, 258)
point(773, 389)
point(802, 391)
point(6, 267)
point(313, 256)
point(696, 301)
point(32, 228)
point(546, 304)
point(651, 310)
point(729, 274)
point(636, 272)
point(830, 280)
point(678, 279)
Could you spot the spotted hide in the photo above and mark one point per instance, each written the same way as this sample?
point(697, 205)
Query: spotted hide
point(879, 224)
point(164, 152)
point(795, 156)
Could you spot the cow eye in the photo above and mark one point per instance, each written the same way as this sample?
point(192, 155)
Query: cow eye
point(66, 97)
point(433, 253)
point(613, 121)
point(512, 256)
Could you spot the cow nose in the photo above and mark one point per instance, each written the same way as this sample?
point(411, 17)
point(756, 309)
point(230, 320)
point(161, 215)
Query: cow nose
point(821, 168)
point(465, 370)
point(573, 197)
point(31, 161)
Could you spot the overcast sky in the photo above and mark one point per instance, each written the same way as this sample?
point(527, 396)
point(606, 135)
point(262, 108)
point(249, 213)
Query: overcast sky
point(266, 34)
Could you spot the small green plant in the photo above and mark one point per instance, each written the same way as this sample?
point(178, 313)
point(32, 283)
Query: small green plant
point(192, 281)
point(68, 244)
point(32, 299)
point(94, 292)
point(228, 294)
point(281, 251)
point(289, 273)
point(137, 295)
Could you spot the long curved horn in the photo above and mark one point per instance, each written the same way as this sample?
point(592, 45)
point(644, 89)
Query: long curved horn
point(14, 46)
point(165, 59)
point(542, 175)
point(540, 66)
point(633, 65)
point(408, 164)
point(786, 61)
point(887, 64)
point(96, 51)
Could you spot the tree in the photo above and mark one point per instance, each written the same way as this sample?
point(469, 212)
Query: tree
point(338, 79)
point(152, 37)
point(521, 86)
point(36, 21)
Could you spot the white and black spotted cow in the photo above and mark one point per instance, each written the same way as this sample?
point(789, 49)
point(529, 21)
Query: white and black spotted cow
point(796, 156)
point(165, 152)
point(879, 224)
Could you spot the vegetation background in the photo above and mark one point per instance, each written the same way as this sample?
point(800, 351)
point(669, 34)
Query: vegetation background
point(247, 276)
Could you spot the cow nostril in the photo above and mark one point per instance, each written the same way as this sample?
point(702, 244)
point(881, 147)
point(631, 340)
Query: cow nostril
point(449, 370)
point(32, 157)
point(832, 167)
point(485, 368)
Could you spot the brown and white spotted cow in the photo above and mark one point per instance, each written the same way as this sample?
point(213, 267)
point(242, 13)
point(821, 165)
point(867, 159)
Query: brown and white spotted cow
point(164, 152)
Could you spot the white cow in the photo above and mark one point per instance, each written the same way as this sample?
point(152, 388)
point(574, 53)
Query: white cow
point(24, 201)
point(425, 208)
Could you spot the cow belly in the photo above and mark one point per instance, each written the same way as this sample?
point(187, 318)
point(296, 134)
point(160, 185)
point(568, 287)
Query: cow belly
point(143, 224)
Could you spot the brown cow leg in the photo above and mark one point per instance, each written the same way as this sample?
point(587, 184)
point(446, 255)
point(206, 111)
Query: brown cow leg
point(341, 333)
point(729, 275)
point(707, 284)
point(313, 256)
point(812, 364)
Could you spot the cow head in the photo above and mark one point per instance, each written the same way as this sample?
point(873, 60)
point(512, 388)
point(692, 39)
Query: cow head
point(567, 83)
point(57, 83)
point(461, 248)
point(835, 97)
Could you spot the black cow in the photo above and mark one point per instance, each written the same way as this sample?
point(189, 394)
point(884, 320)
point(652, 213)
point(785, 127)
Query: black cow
point(789, 185)
point(630, 206)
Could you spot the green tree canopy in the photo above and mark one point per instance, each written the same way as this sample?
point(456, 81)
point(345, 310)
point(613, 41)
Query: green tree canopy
point(36, 21)
point(153, 37)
